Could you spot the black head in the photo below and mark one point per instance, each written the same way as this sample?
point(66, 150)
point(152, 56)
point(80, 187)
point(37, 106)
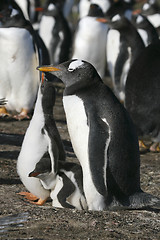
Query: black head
point(95, 11)
point(75, 73)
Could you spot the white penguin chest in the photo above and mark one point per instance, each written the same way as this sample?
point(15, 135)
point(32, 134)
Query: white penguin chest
point(45, 29)
point(77, 125)
point(113, 48)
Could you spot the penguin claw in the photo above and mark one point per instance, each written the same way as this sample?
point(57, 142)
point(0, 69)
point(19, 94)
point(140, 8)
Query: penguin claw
point(40, 202)
point(142, 147)
point(31, 198)
point(154, 148)
point(22, 115)
point(28, 195)
point(4, 113)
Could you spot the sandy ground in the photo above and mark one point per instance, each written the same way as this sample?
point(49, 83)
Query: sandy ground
point(21, 220)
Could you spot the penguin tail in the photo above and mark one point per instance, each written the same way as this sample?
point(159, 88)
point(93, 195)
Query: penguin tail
point(142, 200)
point(139, 200)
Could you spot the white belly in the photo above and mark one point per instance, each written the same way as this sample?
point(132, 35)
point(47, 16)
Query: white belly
point(19, 78)
point(90, 43)
point(112, 50)
point(79, 134)
point(34, 146)
point(45, 29)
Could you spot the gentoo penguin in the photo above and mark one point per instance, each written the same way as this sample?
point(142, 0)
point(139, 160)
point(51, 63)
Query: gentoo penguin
point(19, 57)
point(124, 44)
point(84, 6)
point(103, 138)
point(143, 95)
point(56, 34)
point(31, 10)
point(67, 189)
point(90, 40)
point(144, 27)
point(151, 10)
point(41, 138)
point(121, 7)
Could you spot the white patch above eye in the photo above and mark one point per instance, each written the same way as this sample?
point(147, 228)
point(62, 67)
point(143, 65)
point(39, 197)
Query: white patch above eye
point(116, 18)
point(75, 64)
point(51, 7)
point(145, 6)
point(14, 12)
point(139, 19)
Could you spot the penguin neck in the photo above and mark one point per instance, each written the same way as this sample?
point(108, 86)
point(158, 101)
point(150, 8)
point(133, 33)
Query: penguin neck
point(81, 85)
point(48, 100)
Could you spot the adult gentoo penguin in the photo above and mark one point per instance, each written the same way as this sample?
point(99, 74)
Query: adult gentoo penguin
point(124, 44)
point(143, 95)
point(103, 138)
point(41, 138)
point(57, 36)
point(146, 30)
point(19, 57)
point(90, 40)
point(67, 189)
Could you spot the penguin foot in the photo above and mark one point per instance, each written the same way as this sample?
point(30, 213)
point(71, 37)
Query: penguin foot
point(142, 147)
point(31, 198)
point(22, 115)
point(4, 113)
point(155, 147)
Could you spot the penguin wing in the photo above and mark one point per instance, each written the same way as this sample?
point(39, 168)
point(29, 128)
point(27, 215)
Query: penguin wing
point(97, 149)
point(121, 59)
point(66, 191)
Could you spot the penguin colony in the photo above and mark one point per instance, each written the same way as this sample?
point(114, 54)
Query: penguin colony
point(108, 40)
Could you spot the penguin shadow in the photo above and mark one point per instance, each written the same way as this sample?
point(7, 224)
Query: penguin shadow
point(9, 181)
point(13, 140)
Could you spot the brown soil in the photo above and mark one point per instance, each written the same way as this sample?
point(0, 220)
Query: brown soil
point(21, 220)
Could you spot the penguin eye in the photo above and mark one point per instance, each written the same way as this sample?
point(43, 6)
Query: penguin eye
point(71, 69)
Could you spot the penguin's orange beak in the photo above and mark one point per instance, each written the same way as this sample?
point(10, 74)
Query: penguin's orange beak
point(102, 20)
point(48, 69)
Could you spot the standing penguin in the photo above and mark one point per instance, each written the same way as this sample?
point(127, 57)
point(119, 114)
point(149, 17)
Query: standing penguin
point(41, 138)
point(67, 189)
point(103, 138)
point(146, 30)
point(19, 56)
point(124, 44)
point(143, 95)
point(90, 40)
point(151, 10)
point(56, 34)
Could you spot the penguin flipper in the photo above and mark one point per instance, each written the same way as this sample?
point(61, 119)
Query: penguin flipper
point(66, 191)
point(98, 146)
point(119, 67)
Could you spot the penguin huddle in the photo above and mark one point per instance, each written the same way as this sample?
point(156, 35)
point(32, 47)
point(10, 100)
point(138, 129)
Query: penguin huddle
point(103, 131)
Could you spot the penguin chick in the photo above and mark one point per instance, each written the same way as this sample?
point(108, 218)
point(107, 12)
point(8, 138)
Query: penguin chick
point(67, 188)
point(103, 138)
point(143, 95)
point(41, 137)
